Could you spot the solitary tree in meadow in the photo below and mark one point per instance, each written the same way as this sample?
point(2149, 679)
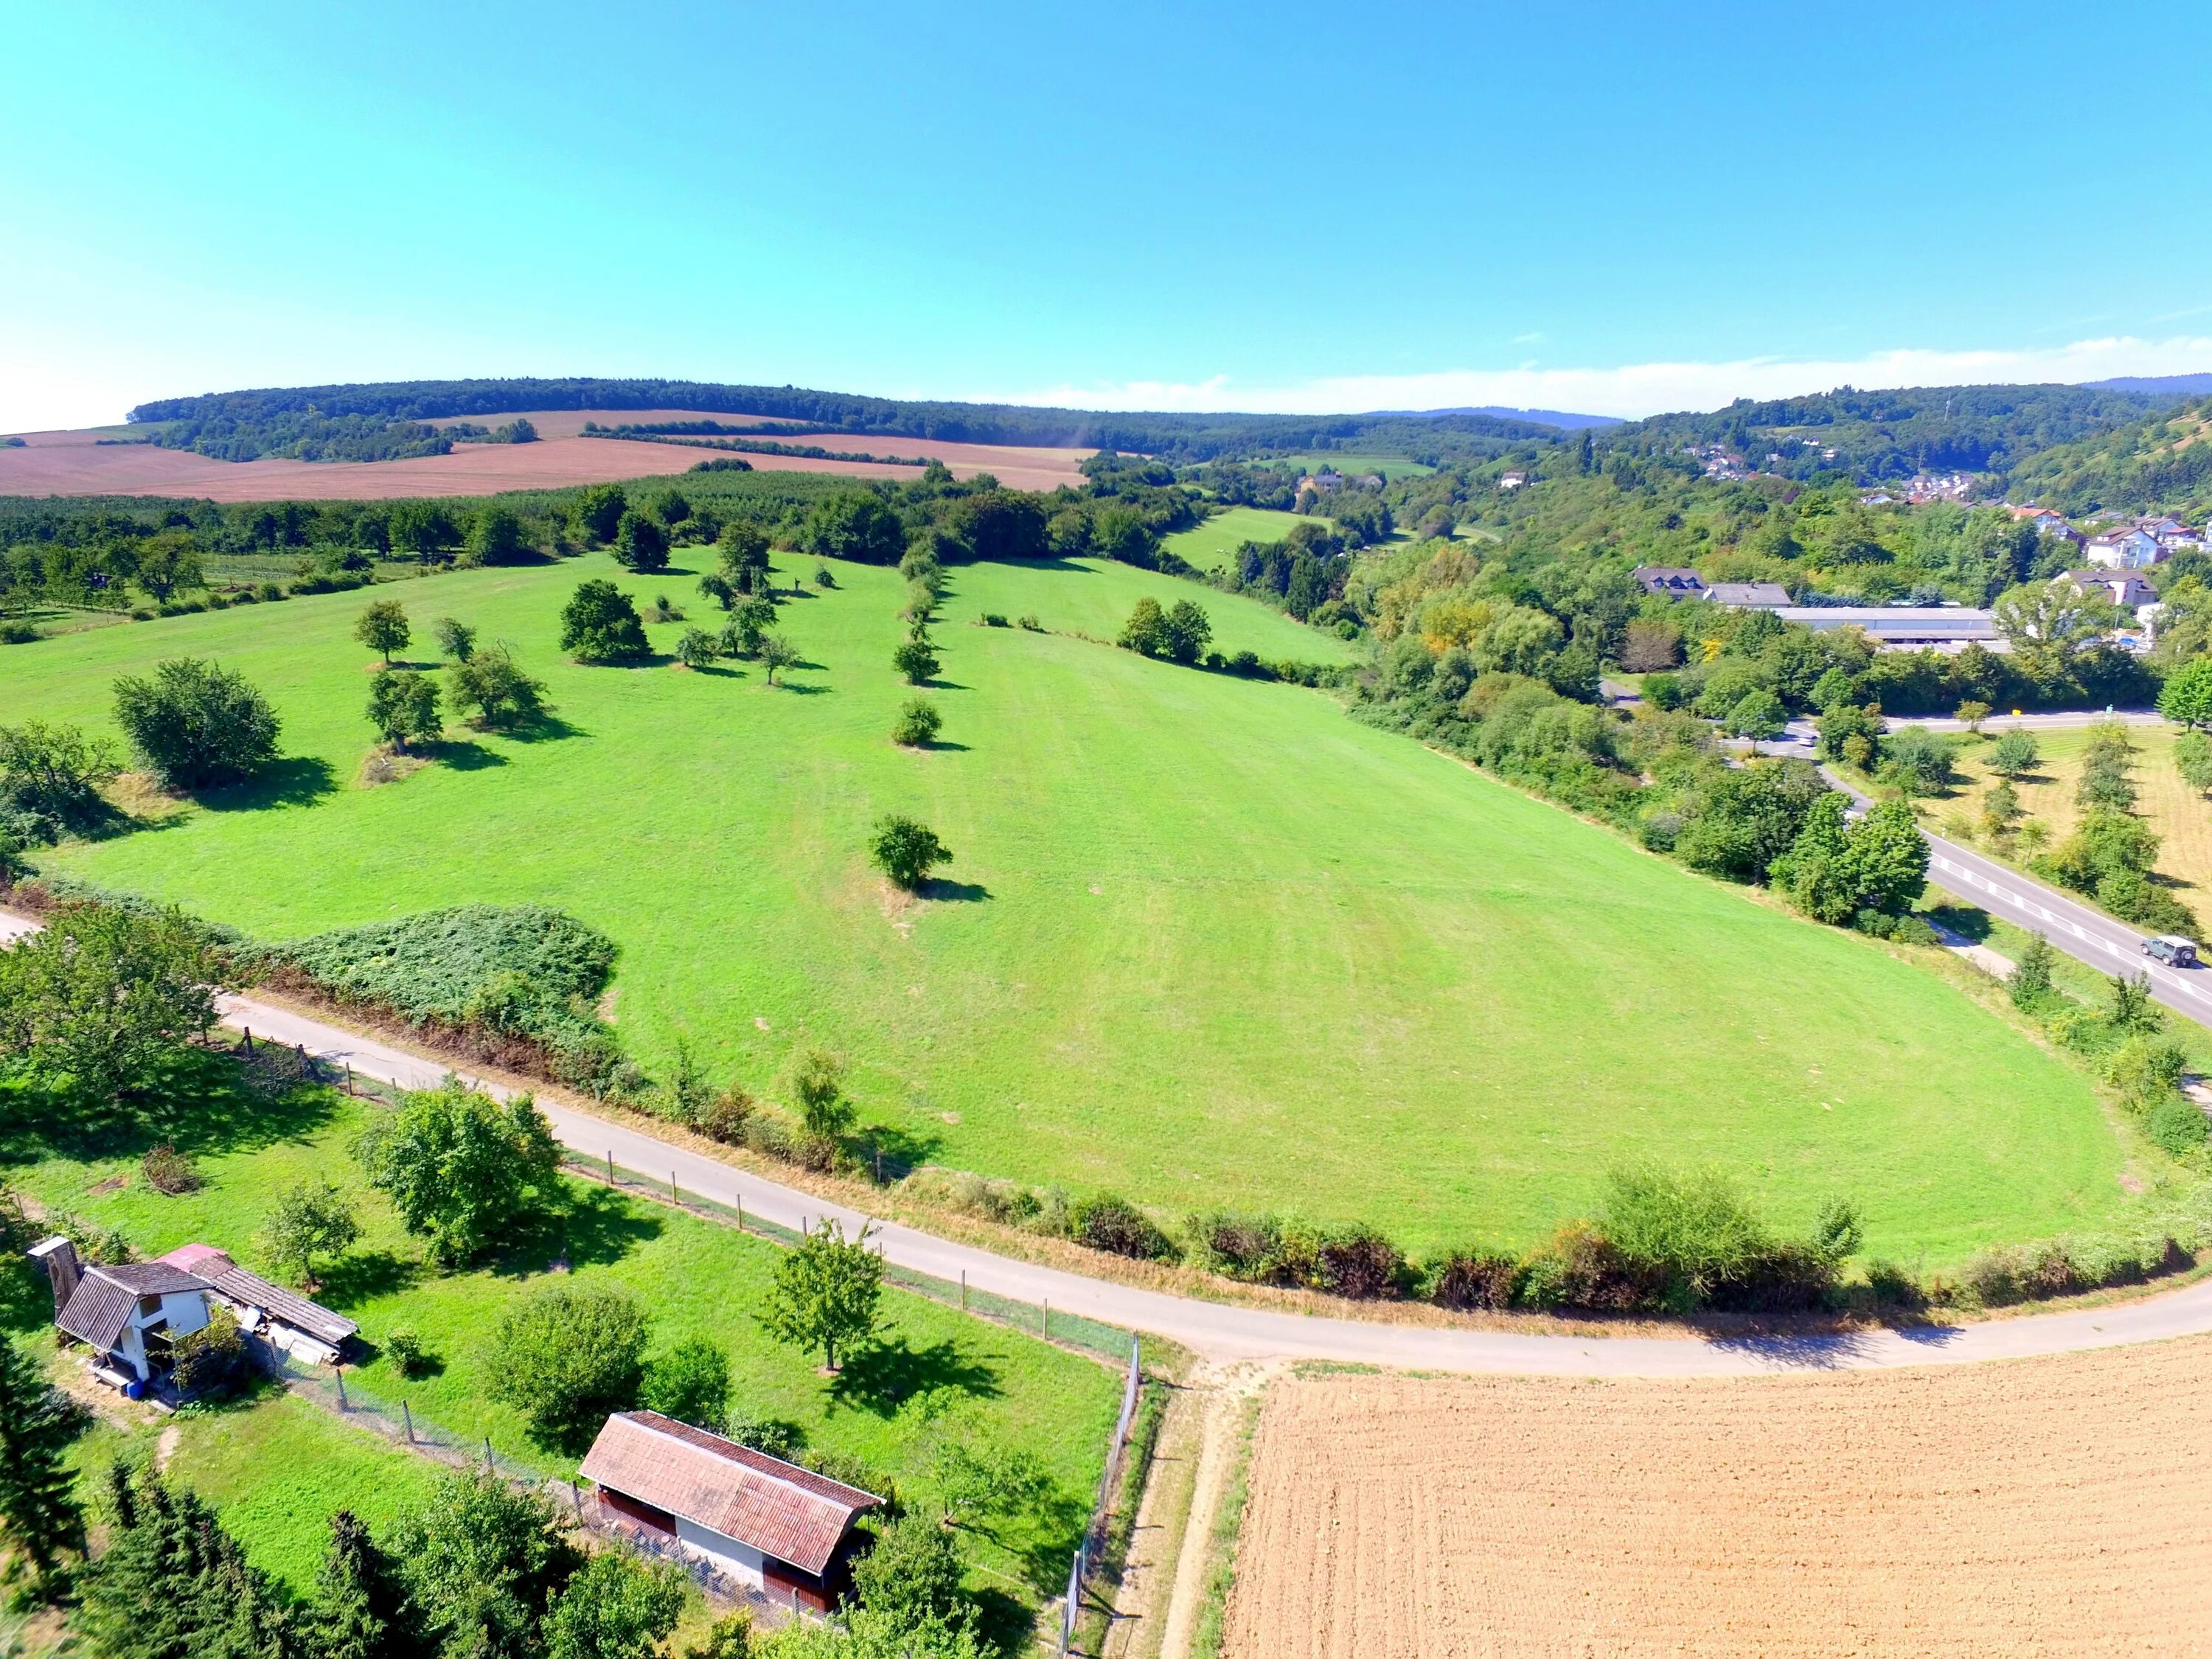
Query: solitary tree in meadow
point(906, 851)
point(827, 1294)
point(777, 652)
point(312, 1221)
point(403, 704)
point(383, 628)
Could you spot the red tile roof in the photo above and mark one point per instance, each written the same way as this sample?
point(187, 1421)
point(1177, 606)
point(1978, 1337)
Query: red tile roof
point(779, 1509)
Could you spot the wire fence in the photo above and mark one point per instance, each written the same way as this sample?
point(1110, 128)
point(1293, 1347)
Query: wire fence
point(1102, 1341)
point(1089, 1548)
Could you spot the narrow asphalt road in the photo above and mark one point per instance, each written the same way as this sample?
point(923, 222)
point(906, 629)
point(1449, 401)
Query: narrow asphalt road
point(1221, 1331)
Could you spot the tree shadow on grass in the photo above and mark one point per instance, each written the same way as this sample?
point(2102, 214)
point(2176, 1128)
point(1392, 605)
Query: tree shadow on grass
point(364, 1275)
point(802, 689)
point(289, 781)
point(462, 755)
point(548, 727)
point(881, 1378)
point(591, 1227)
point(200, 1101)
point(955, 892)
point(1965, 919)
point(935, 743)
point(899, 1151)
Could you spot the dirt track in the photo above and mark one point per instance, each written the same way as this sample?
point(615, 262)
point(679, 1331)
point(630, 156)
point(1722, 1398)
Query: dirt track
point(2044, 1506)
point(75, 464)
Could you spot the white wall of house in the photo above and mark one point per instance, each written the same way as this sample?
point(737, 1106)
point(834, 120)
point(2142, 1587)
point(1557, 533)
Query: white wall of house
point(740, 1561)
point(181, 1312)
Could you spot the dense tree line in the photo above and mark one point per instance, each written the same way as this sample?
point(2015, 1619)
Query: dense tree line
point(239, 419)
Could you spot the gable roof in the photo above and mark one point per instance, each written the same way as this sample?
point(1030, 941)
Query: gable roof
point(233, 1283)
point(102, 1302)
point(779, 1509)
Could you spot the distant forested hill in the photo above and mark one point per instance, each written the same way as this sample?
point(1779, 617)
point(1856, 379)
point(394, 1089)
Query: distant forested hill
point(341, 421)
point(2161, 463)
point(1878, 435)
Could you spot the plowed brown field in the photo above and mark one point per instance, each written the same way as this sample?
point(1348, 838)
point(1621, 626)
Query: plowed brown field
point(76, 464)
point(2042, 1506)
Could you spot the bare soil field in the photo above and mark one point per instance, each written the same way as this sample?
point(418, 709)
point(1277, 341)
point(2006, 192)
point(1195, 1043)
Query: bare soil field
point(77, 464)
point(2042, 1506)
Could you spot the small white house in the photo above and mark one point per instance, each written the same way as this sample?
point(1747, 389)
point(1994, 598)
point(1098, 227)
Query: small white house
point(772, 1525)
point(130, 1316)
point(2123, 588)
point(2130, 549)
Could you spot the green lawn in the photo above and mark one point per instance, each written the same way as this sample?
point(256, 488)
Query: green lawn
point(938, 1374)
point(1208, 940)
point(1344, 461)
point(1208, 544)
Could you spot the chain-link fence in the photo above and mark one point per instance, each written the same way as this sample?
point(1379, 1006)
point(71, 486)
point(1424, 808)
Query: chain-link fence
point(1091, 1547)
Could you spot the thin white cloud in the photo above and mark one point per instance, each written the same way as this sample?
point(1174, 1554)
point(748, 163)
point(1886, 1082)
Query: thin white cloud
point(1639, 389)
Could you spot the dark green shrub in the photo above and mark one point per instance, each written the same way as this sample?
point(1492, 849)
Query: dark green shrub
point(170, 1172)
point(1579, 1268)
point(1472, 1281)
point(211, 1362)
point(1120, 1228)
point(2177, 1124)
point(2008, 1273)
point(690, 1383)
point(1360, 1263)
point(1892, 1287)
point(407, 1355)
point(906, 851)
point(196, 725)
point(992, 619)
point(600, 624)
point(1031, 624)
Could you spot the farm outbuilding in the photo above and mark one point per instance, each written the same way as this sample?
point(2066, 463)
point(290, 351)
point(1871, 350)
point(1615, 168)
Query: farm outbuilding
point(129, 1315)
point(282, 1318)
point(771, 1525)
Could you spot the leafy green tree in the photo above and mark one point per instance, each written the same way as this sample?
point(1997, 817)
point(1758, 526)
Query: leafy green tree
point(2192, 758)
point(598, 512)
point(568, 1357)
point(750, 619)
point(2014, 754)
point(383, 628)
point(360, 1607)
point(1833, 689)
point(998, 1481)
point(916, 661)
point(1971, 713)
point(1761, 717)
point(641, 544)
point(600, 624)
point(853, 524)
point(403, 704)
point(456, 639)
point(1186, 632)
point(2001, 809)
point(2186, 699)
point(168, 559)
point(816, 1079)
point(824, 578)
point(2031, 984)
point(618, 1607)
point(826, 1293)
point(463, 1170)
point(103, 996)
point(697, 648)
point(742, 552)
point(1889, 859)
point(483, 1561)
point(39, 1512)
point(196, 725)
point(2048, 626)
point(1145, 633)
point(53, 774)
point(493, 684)
point(730, 1637)
point(777, 653)
point(496, 536)
point(2131, 1008)
point(913, 1575)
point(690, 1383)
point(670, 506)
point(906, 851)
point(1919, 762)
point(1816, 872)
point(918, 725)
point(311, 1221)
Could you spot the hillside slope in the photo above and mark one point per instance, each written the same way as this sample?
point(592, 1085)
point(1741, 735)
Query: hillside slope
point(1210, 941)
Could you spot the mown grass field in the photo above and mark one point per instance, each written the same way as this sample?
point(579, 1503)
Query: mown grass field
point(936, 1374)
point(1211, 543)
point(1206, 941)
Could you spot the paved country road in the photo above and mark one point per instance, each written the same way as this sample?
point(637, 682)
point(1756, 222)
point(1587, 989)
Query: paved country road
point(1220, 1331)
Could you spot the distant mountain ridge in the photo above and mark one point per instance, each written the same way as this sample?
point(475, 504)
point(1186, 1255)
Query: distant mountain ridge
point(1559, 418)
point(2178, 385)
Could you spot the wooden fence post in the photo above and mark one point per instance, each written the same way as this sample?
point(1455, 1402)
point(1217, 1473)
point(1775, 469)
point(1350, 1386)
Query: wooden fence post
point(407, 1416)
point(963, 1289)
point(342, 1399)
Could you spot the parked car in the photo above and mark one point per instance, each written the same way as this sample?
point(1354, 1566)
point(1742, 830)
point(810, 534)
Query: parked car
point(2171, 950)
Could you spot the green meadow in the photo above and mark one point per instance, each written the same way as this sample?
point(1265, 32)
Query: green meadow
point(1207, 544)
point(1205, 941)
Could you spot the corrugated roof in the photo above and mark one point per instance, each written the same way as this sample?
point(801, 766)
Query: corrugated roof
point(101, 1304)
point(779, 1509)
point(252, 1291)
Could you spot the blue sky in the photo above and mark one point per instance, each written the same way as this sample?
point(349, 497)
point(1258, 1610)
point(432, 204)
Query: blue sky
point(1616, 208)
